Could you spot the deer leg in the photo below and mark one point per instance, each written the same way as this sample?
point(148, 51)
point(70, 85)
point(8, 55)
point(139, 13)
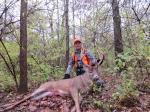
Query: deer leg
point(75, 96)
point(64, 107)
point(73, 109)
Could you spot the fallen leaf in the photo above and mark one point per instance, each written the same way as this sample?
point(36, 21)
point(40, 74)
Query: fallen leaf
point(32, 108)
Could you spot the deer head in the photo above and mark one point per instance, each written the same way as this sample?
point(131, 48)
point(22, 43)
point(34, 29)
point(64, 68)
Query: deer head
point(92, 69)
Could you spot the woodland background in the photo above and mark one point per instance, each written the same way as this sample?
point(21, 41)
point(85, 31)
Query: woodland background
point(36, 43)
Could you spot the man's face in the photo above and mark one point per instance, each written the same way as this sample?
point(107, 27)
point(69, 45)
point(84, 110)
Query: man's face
point(77, 45)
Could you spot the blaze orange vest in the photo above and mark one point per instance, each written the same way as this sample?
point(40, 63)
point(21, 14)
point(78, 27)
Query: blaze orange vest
point(83, 57)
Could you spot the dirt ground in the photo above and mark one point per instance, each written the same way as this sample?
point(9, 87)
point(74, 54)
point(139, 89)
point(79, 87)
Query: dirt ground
point(58, 104)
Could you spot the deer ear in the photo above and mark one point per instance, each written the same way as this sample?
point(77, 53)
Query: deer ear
point(100, 61)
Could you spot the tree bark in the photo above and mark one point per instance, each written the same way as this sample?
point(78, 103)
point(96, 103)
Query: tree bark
point(73, 16)
point(117, 28)
point(58, 24)
point(23, 48)
point(67, 31)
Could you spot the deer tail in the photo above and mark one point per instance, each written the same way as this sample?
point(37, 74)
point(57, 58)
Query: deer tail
point(40, 93)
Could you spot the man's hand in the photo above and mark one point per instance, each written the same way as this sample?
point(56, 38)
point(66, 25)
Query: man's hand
point(67, 76)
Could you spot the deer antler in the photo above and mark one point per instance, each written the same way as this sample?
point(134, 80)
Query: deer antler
point(101, 59)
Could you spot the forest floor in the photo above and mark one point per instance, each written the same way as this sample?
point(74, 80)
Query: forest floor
point(92, 102)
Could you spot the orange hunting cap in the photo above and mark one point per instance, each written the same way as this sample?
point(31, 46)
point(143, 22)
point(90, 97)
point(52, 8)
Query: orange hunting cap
point(76, 39)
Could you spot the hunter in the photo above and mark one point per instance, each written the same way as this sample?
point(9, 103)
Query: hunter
point(80, 57)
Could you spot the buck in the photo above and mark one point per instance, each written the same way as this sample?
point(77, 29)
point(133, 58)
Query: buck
point(67, 87)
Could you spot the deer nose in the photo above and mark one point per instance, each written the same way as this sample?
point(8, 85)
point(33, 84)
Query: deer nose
point(96, 78)
point(100, 83)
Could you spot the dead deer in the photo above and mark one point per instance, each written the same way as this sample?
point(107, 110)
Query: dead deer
point(67, 87)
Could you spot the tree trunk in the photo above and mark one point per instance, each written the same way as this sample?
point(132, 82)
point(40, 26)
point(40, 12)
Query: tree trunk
point(51, 26)
point(5, 19)
point(58, 24)
point(117, 29)
point(23, 48)
point(73, 16)
point(67, 31)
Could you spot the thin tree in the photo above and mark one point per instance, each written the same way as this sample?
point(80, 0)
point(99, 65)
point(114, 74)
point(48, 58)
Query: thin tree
point(117, 28)
point(66, 30)
point(23, 48)
point(58, 24)
point(73, 16)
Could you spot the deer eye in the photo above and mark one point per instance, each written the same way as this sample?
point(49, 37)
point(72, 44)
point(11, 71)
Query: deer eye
point(98, 60)
point(90, 71)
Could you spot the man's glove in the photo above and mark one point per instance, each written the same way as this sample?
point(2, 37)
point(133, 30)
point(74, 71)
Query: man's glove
point(67, 76)
point(80, 71)
point(100, 83)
